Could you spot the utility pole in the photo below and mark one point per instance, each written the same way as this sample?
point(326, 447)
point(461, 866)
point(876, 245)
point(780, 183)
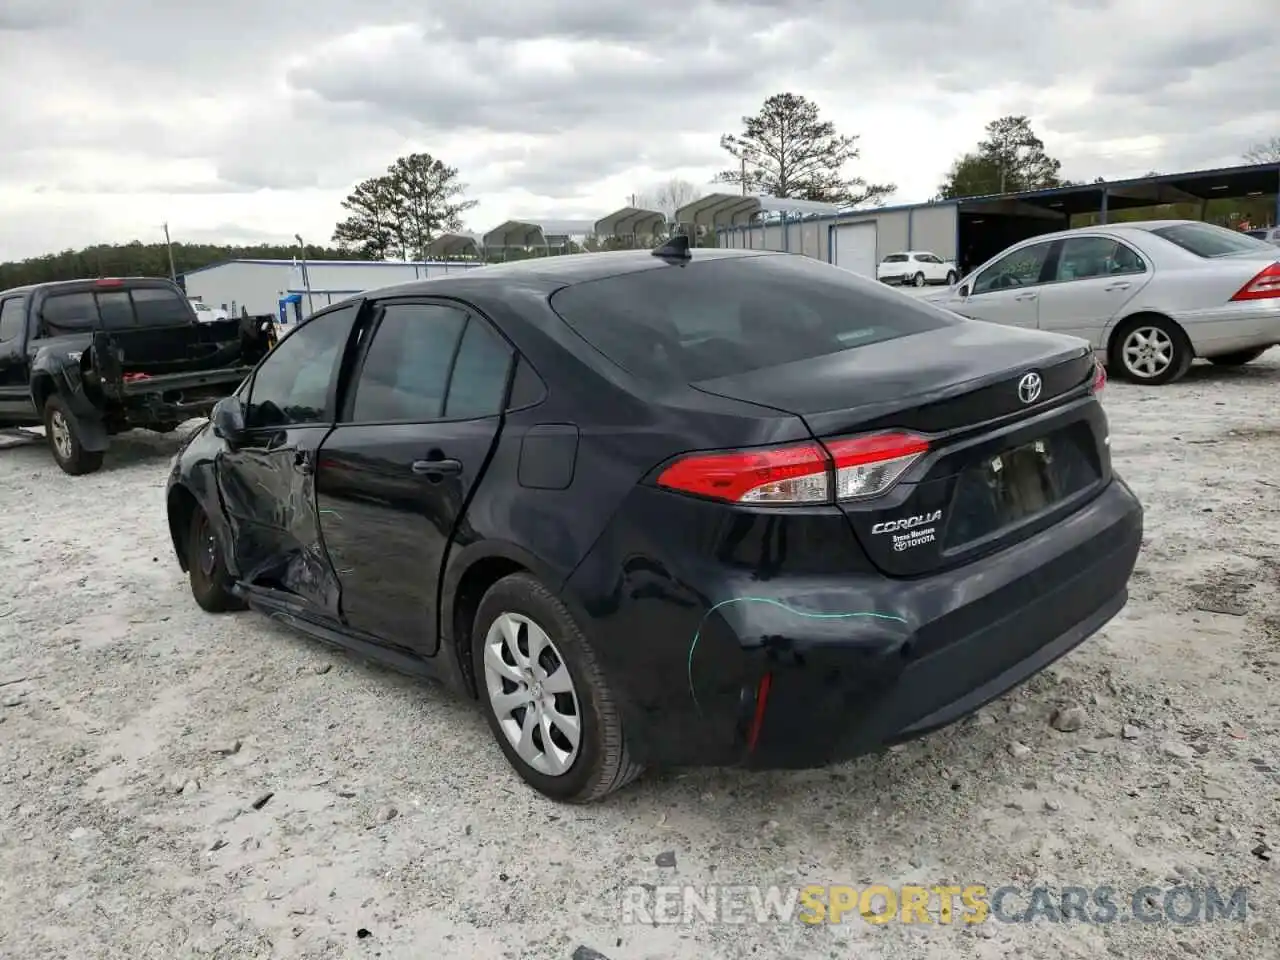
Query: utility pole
point(744, 176)
point(173, 274)
point(306, 277)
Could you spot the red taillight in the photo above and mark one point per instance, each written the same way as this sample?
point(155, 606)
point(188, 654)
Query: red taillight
point(778, 475)
point(869, 466)
point(110, 282)
point(1099, 376)
point(862, 467)
point(1264, 286)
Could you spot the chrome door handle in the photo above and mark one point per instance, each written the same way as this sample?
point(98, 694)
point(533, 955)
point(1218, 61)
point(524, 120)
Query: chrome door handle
point(437, 468)
point(1122, 285)
point(1026, 296)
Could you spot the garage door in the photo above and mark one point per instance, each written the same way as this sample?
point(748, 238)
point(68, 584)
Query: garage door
point(856, 248)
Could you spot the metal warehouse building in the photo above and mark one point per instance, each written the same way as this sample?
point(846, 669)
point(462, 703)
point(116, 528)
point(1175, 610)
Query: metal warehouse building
point(279, 288)
point(968, 231)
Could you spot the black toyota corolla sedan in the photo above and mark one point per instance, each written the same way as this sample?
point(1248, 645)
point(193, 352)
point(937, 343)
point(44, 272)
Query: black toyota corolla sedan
point(719, 507)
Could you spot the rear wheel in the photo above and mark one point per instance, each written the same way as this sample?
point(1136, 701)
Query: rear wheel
point(952, 277)
point(544, 695)
point(210, 582)
point(918, 280)
point(1151, 350)
point(62, 430)
point(1239, 358)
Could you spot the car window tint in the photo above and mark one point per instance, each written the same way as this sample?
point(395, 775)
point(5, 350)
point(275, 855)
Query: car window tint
point(11, 314)
point(406, 368)
point(1020, 268)
point(69, 311)
point(157, 306)
point(895, 258)
point(479, 382)
point(1085, 257)
point(292, 384)
point(1209, 241)
point(722, 317)
point(116, 310)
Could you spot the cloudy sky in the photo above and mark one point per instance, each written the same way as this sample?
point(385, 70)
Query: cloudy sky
point(248, 120)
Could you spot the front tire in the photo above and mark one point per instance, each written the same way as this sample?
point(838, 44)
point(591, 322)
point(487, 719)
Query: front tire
point(952, 278)
point(918, 280)
point(207, 571)
point(1150, 350)
point(62, 430)
point(545, 696)
point(1239, 358)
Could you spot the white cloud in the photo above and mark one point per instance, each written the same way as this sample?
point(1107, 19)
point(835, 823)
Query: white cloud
point(246, 120)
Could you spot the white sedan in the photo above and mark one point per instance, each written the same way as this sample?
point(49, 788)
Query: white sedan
point(1149, 296)
point(916, 267)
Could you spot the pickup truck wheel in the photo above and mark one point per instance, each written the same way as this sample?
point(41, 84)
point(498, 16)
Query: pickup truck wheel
point(545, 696)
point(210, 582)
point(61, 430)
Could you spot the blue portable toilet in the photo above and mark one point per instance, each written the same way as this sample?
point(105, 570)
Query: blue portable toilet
point(294, 300)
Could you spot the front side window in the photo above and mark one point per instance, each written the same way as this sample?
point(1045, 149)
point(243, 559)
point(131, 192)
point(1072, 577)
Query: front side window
point(1021, 268)
point(1086, 257)
point(11, 314)
point(292, 384)
point(406, 370)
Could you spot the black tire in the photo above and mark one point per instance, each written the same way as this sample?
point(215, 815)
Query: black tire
point(210, 582)
point(62, 430)
point(1181, 353)
point(602, 764)
point(1239, 358)
point(918, 280)
point(952, 278)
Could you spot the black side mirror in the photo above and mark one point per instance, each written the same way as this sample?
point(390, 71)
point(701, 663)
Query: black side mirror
point(227, 419)
point(964, 290)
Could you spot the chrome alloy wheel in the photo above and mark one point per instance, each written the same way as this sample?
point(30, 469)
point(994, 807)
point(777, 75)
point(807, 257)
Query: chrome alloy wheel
point(532, 694)
point(60, 433)
point(1147, 352)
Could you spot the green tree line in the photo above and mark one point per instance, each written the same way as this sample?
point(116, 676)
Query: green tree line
point(139, 259)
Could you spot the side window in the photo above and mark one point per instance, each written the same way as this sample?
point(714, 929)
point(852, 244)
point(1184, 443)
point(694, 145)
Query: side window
point(1085, 257)
point(292, 384)
point(11, 314)
point(116, 310)
point(1021, 268)
point(69, 311)
point(479, 382)
point(159, 306)
point(406, 369)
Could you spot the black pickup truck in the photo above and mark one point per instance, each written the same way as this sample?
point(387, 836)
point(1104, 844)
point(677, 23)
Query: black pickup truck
point(91, 358)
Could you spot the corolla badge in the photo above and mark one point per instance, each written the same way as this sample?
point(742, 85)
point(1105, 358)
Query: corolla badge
point(1029, 388)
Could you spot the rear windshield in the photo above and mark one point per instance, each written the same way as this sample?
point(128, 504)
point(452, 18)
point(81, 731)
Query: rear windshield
point(1209, 241)
point(115, 308)
point(718, 318)
point(895, 258)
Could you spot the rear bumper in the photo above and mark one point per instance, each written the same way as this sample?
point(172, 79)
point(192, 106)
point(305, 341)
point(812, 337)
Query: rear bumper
point(859, 661)
point(1239, 326)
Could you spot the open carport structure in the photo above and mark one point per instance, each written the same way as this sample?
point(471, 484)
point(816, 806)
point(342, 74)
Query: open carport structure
point(642, 227)
point(546, 235)
point(456, 246)
point(760, 222)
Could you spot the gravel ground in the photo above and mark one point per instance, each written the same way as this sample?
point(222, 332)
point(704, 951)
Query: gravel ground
point(174, 784)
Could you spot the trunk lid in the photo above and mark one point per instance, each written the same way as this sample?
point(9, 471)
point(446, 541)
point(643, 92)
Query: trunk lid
point(998, 468)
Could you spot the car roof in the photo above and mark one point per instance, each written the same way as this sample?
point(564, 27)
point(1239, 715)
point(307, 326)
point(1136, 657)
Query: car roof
point(87, 283)
point(1117, 229)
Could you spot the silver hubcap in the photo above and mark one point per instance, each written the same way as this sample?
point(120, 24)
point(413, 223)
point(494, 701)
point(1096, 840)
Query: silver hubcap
point(532, 694)
point(919, 280)
point(1148, 352)
point(60, 433)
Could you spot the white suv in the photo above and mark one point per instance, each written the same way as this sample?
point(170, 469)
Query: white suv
point(917, 267)
point(1269, 234)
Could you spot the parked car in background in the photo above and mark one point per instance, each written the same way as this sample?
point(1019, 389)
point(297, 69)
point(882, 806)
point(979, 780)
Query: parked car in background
point(1270, 235)
point(916, 267)
point(674, 508)
point(87, 359)
point(1149, 296)
point(206, 313)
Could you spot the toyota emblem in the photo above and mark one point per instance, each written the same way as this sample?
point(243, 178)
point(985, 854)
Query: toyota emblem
point(1029, 388)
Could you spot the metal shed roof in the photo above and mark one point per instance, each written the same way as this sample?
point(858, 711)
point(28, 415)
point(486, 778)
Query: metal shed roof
point(727, 209)
point(455, 245)
point(631, 221)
